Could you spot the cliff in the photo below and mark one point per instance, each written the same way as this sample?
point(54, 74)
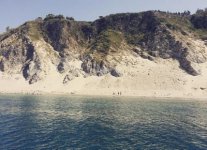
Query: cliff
point(76, 49)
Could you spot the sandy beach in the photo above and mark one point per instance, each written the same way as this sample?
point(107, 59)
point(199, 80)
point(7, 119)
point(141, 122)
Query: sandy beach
point(141, 77)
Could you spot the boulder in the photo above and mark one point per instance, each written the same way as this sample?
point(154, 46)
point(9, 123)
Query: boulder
point(116, 73)
point(34, 79)
point(92, 67)
point(68, 78)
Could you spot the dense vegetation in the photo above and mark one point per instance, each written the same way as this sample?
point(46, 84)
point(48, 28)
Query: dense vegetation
point(199, 19)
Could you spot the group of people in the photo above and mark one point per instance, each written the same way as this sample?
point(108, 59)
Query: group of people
point(119, 93)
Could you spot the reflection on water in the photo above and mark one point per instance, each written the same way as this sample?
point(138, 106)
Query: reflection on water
point(37, 122)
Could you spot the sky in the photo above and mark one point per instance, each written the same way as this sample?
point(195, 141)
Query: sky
point(15, 12)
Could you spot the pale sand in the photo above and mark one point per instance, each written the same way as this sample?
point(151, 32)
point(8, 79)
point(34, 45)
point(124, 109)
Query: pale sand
point(143, 78)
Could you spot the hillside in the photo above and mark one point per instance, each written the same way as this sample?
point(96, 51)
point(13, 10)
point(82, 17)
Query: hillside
point(150, 53)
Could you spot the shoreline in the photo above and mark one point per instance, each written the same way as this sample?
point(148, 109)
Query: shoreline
point(174, 98)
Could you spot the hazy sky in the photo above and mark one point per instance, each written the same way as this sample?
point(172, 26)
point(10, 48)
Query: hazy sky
point(15, 12)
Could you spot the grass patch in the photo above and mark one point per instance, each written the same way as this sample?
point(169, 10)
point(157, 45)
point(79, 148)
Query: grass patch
point(177, 23)
point(34, 31)
point(183, 25)
point(106, 40)
point(135, 39)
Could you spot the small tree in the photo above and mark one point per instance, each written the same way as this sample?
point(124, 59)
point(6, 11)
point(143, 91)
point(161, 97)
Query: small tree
point(101, 17)
point(70, 18)
point(60, 17)
point(187, 13)
point(38, 19)
point(49, 16)
point(7, 29)
point(199, 11)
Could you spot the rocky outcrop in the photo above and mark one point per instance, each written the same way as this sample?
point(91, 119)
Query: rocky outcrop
point(68, 78)
point(72, 73)
point(162, 44)
point(32, 71)
point(93, 67)
point(116, 73)
point(144, 54)
point(32, 48)
point(13, 53)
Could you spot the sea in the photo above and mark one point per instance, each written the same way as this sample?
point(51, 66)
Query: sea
point(95, 123)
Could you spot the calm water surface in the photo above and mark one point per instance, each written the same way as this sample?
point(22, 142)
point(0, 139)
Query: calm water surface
point(61, 122)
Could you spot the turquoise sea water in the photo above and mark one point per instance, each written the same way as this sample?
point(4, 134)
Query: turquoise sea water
point(62, 122)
